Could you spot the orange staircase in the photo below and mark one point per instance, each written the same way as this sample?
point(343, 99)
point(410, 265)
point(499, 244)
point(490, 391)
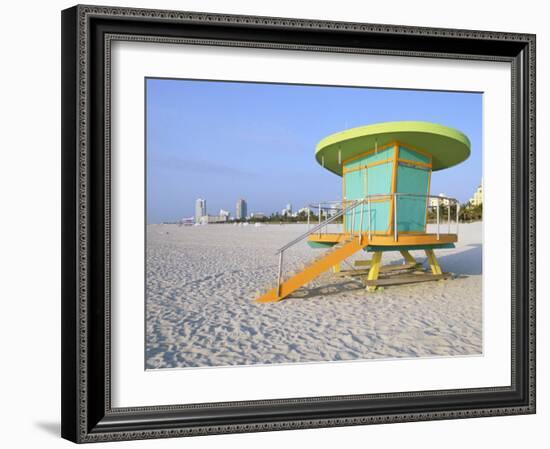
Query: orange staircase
point(324, 262)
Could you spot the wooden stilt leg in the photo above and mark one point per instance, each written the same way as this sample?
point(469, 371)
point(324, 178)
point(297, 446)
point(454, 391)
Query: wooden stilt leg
point(374, 270)
point(432, 260)
point(407, 256)
point(336, 268)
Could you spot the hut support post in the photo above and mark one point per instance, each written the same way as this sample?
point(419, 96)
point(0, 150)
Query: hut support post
point(407, 256)
point(374, 270)
point(432, 261)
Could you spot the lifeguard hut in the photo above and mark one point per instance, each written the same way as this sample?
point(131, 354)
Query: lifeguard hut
point(386, 170)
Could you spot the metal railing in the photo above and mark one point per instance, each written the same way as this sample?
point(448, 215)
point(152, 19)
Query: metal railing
point(439, 201)
point(447, 202)
point(345, 207)
point(327, 208)
point(313, 230)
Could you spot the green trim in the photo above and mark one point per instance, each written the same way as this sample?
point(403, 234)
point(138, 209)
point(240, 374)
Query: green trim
point(447, 146)
point(320, 244)
point(372, 248)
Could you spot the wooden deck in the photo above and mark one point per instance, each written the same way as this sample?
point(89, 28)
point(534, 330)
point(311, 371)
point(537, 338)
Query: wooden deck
point(406, 279)
point(383, 269)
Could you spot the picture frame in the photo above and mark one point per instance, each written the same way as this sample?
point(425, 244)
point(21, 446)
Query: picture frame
point(87, 411)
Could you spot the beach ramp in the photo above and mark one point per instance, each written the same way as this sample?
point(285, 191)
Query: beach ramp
point(332, 257)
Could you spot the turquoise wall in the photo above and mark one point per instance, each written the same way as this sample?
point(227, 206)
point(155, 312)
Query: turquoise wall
point(411, 211)
point(410, 155)
point(379, 215)
point(354, 186)
point(374, 157)
point(379, 179)
point(372, 181)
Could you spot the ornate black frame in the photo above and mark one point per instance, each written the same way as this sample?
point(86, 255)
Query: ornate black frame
point(87, 32)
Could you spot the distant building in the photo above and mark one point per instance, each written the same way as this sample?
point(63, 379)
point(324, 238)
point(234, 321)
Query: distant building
point(207, 219)
point(435, 201)
point(477, 199)
point(224, 213)
point(287, 211)
point(188, 221)
point(240, 210)
point(258, 215)
point(200, 209)
point(304, 210)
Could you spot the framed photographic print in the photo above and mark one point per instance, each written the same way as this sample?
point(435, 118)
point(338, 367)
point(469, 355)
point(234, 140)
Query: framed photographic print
point(284, 223)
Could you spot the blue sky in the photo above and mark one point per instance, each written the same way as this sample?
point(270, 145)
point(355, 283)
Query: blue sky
point(224, 140)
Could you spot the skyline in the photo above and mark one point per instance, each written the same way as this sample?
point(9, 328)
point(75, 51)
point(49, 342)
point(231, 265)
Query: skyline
point(473, 201)
point(228, 140)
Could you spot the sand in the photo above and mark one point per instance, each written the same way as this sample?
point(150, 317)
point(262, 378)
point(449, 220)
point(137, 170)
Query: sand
point(201, 282)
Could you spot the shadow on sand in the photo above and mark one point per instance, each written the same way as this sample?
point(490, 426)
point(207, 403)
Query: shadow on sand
point(467, 262)
point(464, 263)
point(341, 286)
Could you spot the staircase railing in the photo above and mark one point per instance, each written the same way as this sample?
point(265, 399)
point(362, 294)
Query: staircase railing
point(306, 234)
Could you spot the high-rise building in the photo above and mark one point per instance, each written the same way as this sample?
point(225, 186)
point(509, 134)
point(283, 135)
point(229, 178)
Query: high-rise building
point(240, 210)
point(287, 211)
point(200, 209)
point(477, 199)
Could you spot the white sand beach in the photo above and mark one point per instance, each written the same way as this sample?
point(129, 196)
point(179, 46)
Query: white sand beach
point(202, 280)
